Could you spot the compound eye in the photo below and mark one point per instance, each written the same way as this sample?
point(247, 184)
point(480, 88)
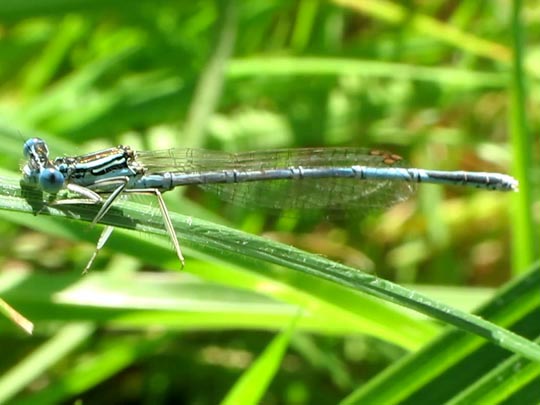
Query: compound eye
point(34, 144)
point(29, 145)
point(51, 180)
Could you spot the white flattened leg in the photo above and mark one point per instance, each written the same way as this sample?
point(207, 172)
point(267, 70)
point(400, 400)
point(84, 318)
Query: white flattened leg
point(101, 242)
point(122, 182)
point(91, 197)
point(166, 218)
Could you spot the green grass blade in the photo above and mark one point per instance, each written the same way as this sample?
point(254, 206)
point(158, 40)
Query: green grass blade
point(516, 378)
point(228, 243)
point(106, 361)
point(250, 388)
point(67, 339)
point(398, 14)
point(144, 300)
point(456, 360)
point(210, 85)
point(312, 66)
point(525, 238)
point(339, 305)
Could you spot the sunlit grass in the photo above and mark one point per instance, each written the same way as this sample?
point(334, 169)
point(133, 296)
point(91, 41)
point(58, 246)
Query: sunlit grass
point(430, 82)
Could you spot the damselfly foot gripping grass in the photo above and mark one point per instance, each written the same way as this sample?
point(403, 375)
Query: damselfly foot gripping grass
point(333, 179)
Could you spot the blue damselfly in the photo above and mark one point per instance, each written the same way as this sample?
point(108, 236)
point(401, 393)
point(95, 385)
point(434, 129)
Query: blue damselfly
point(334, 179)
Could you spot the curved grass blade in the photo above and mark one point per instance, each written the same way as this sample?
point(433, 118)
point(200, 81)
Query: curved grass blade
point(228, 243)
point(459, 366)
point(341, 310)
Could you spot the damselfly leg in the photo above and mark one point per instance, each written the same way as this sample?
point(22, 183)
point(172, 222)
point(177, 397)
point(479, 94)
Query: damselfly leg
point(92, 198)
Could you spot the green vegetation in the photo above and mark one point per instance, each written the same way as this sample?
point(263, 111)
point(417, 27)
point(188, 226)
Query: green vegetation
point(310, 311)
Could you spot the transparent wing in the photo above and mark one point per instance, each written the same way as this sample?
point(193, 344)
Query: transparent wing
point(330, 194)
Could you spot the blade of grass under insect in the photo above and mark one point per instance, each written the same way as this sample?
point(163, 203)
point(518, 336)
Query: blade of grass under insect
point(341, 310)
point(336, 303)
point(226, 243)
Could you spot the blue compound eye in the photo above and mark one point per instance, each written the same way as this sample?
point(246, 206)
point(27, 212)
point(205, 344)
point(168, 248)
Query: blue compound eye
point(51, 180)
point(29, 145)
point(34, 144)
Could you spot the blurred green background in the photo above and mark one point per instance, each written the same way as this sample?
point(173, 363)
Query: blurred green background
point(435, 82)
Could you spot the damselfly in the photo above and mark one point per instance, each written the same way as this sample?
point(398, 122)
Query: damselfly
point(333, 179)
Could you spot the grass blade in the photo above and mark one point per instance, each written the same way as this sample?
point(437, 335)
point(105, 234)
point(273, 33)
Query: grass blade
point(228, 243)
